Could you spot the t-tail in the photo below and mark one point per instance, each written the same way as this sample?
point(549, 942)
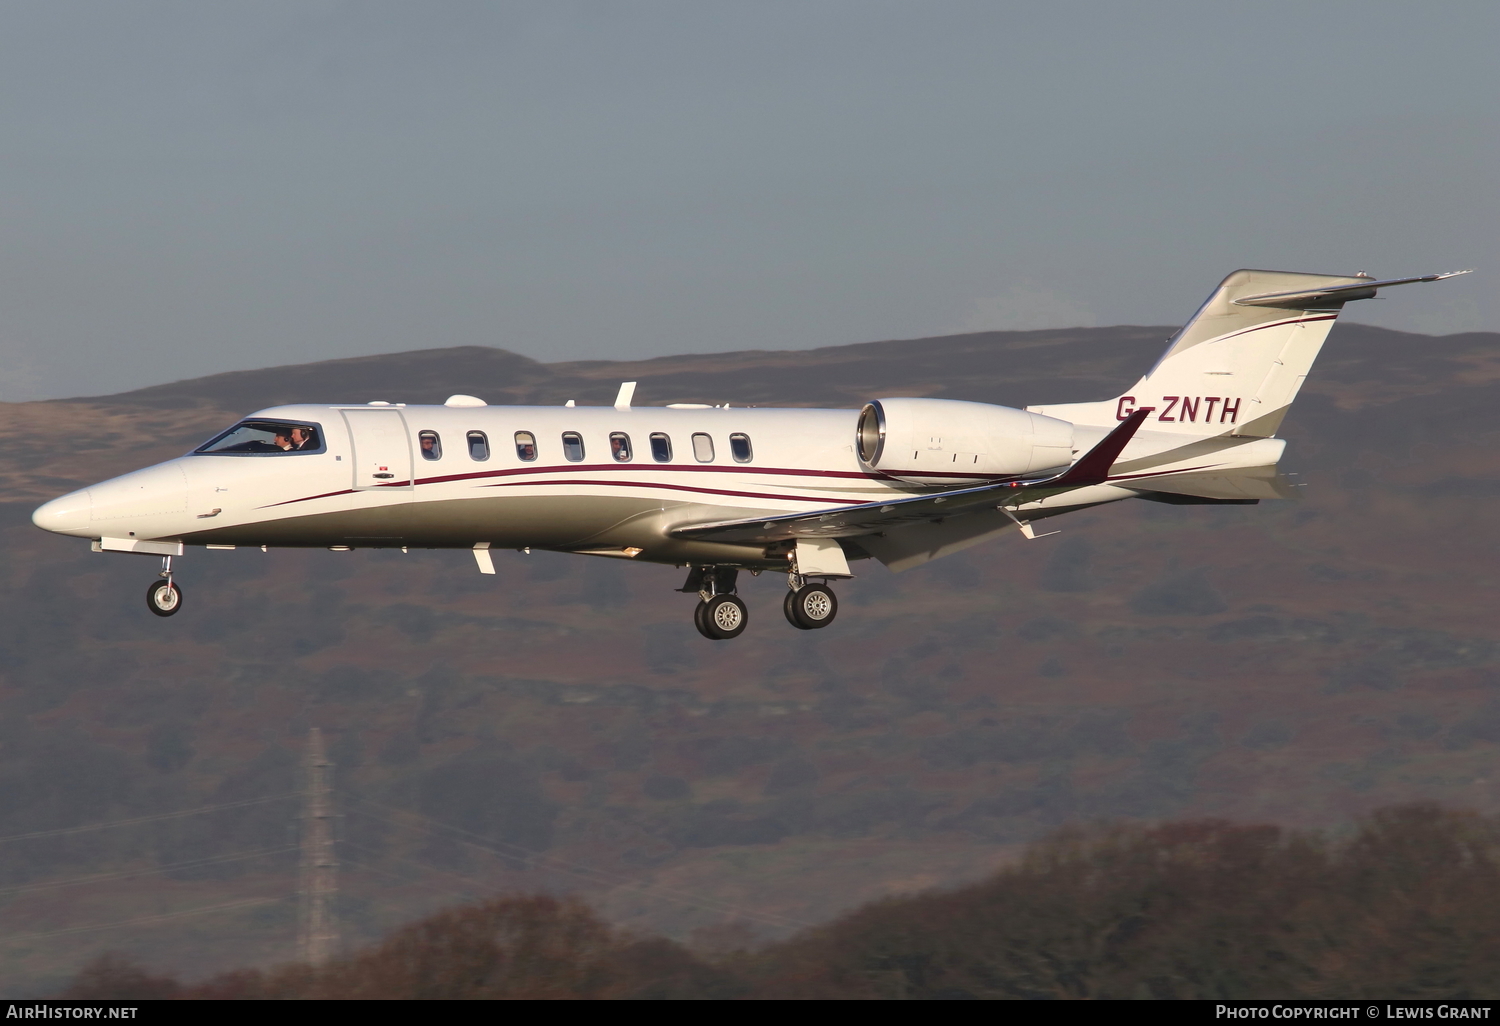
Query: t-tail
point(1235, 368)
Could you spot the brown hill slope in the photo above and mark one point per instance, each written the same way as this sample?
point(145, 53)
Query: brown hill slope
point(1073, 363)
point(1188, 910)
point(1297, 662)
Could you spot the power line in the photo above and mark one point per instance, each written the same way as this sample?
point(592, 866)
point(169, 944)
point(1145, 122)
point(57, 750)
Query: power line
point(604, 876)
point(460, 895)
point(469, 881)
point(142, 920)
point(149, 819)
point(597, 876)
point(127, 874)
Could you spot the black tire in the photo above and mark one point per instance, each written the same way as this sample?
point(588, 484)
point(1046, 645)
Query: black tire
point(699, 623)
point(786, 609)
point(163, 598)
point(811, 607)
point(722, 617)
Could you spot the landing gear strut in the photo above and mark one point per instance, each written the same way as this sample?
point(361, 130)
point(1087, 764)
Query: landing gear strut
point(164, 597)
point(809, 606)
point(720, 615)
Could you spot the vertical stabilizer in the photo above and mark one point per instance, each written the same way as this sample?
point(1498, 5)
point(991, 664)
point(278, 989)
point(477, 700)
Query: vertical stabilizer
point(1235, 368)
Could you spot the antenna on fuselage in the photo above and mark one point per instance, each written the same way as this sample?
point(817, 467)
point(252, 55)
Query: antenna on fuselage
point(626, 393)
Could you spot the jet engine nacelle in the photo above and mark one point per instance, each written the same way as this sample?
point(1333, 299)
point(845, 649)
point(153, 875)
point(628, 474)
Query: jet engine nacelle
point(927, 441)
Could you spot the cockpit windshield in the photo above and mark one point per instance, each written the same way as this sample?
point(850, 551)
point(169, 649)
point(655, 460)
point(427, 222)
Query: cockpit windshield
point(266, 438)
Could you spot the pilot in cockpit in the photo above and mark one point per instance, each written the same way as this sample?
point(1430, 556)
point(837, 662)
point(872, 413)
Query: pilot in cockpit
point(304, 438)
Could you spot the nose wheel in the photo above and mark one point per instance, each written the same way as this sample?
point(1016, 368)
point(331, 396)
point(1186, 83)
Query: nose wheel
point(163, 597)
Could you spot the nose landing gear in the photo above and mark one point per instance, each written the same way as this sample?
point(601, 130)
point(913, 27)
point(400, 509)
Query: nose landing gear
point(164, 597)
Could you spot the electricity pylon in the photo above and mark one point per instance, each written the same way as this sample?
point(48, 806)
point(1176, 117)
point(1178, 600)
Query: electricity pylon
point(318, 933)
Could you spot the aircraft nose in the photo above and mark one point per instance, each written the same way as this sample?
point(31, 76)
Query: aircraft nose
point(66, 515)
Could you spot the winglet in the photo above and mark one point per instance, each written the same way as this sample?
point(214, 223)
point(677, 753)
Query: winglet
point(1093, 467)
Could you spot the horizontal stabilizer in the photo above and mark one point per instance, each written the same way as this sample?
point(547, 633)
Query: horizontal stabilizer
point(1172, 499)
point(1303, 299)
point(1237, 485)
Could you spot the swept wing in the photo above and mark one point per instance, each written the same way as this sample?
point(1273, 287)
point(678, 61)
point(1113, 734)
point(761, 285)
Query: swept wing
point(851, 521)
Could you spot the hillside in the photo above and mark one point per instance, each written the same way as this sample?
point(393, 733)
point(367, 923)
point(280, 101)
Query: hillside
point(1293, 662)
point(1197, 910)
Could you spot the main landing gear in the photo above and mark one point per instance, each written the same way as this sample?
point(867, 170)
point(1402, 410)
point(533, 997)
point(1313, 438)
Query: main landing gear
point(809, 606)
point(164, 597)
point(721, 615)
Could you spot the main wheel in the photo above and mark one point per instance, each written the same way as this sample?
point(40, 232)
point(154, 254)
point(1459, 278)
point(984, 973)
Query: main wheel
point(721, 617)
point(163, 598)
point(811, 606)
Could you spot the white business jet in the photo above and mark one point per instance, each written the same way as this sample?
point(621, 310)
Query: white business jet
point(716, 489)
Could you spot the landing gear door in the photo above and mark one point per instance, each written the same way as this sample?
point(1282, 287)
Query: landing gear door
point(382, 449)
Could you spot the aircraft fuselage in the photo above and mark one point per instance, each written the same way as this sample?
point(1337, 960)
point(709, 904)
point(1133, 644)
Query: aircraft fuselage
point(578, 494)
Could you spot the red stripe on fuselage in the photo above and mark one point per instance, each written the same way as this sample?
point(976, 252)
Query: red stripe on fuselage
point(670, 468)
point(309, 498)
point(691, 488)
point(672, 487)
point(594, 468)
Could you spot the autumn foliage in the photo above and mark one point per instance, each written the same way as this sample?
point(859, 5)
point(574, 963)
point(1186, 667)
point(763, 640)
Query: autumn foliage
point(1405, 906)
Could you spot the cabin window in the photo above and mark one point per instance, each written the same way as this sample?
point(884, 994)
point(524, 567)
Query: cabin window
point(661, 448)
point(739, 448)
point(703, 448)
point(572, 446)
point(479, 446)
point(619, 446)
point(430, 444)
point(525, 446)
point(265, 438)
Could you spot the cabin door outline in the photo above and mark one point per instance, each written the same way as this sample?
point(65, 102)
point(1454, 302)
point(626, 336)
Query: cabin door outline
point(381, 449)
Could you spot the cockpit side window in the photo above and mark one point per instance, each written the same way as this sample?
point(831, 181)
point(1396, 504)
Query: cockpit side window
point(266, 438)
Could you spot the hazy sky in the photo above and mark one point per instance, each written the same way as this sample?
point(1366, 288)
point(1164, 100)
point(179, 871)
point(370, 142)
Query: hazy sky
point(195, 187)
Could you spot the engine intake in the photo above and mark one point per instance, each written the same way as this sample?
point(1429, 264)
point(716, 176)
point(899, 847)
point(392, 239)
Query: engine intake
point(935, 441)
